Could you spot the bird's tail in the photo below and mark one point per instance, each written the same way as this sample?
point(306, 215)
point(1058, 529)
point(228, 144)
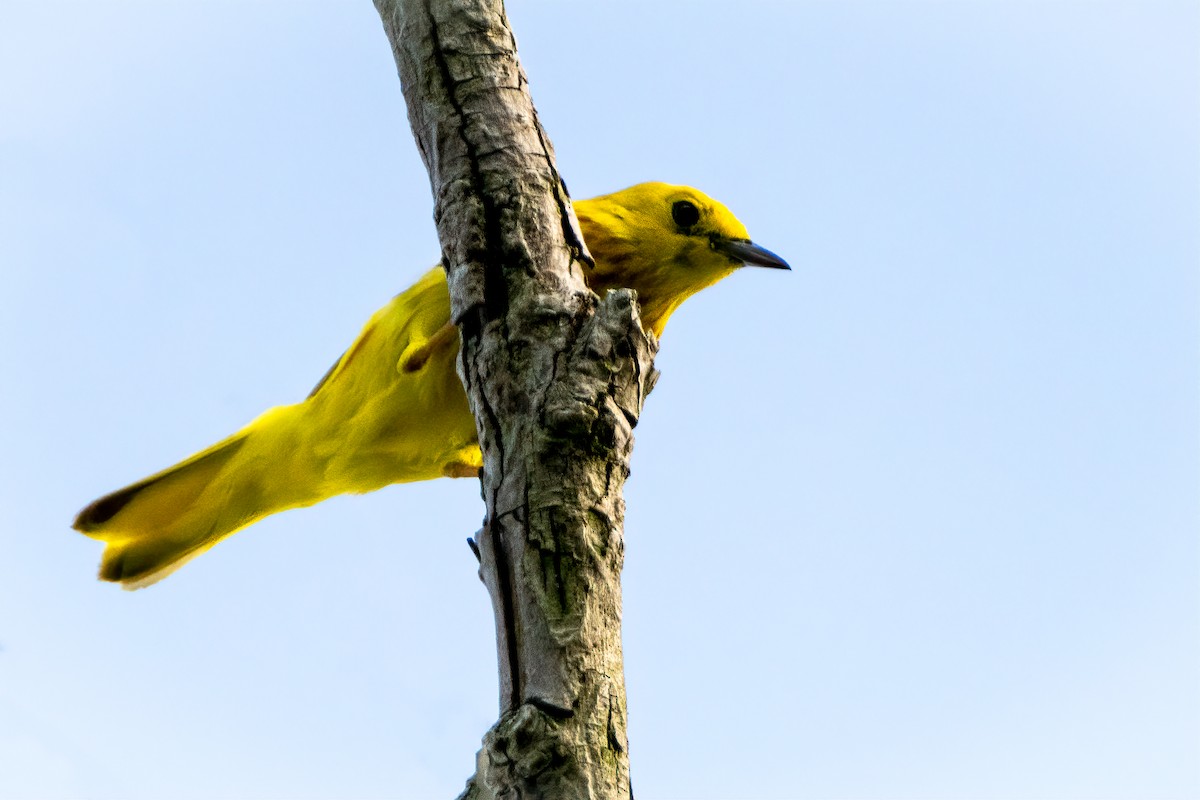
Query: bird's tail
point(153, 527)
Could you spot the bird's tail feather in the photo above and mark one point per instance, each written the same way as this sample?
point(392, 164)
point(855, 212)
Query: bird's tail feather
point(153, 527)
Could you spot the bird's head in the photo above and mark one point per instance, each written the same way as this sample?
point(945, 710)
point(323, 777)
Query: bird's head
point(667, 243)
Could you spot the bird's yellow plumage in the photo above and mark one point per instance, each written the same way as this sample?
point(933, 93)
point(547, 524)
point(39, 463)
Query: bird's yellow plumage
point(392, 409)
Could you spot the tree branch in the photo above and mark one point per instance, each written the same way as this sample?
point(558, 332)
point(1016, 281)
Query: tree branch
point(556, 380)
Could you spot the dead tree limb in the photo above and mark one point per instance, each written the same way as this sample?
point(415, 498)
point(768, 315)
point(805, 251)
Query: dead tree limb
point(556, 378)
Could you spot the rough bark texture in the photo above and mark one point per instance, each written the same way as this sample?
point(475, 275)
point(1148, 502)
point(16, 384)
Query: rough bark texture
point(556, 379)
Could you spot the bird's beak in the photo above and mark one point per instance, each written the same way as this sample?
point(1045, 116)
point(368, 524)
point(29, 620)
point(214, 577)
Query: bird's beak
point(749, 253)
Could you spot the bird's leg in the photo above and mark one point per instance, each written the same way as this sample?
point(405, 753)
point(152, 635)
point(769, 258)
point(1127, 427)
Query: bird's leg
point(418, 352)
point(465, 463)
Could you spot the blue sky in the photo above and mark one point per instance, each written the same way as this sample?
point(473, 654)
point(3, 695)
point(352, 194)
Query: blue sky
point(917, 520)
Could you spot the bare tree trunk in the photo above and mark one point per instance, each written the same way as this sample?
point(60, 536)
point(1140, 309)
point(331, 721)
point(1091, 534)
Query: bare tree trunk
point(556, 379)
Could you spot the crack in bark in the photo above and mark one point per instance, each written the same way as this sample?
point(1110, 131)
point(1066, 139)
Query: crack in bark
point(610, 730)
point(495, 290)
point(549, 709)
point(504, 578)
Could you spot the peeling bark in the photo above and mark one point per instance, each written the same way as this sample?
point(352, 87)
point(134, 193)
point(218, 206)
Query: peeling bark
point(556, 378)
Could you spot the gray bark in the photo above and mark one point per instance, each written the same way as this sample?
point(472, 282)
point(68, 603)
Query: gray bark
point(556, 378)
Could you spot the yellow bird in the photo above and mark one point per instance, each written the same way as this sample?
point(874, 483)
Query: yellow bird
point(392, 409)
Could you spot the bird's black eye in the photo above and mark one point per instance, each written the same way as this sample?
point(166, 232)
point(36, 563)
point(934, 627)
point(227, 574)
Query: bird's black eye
point(685, 213)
